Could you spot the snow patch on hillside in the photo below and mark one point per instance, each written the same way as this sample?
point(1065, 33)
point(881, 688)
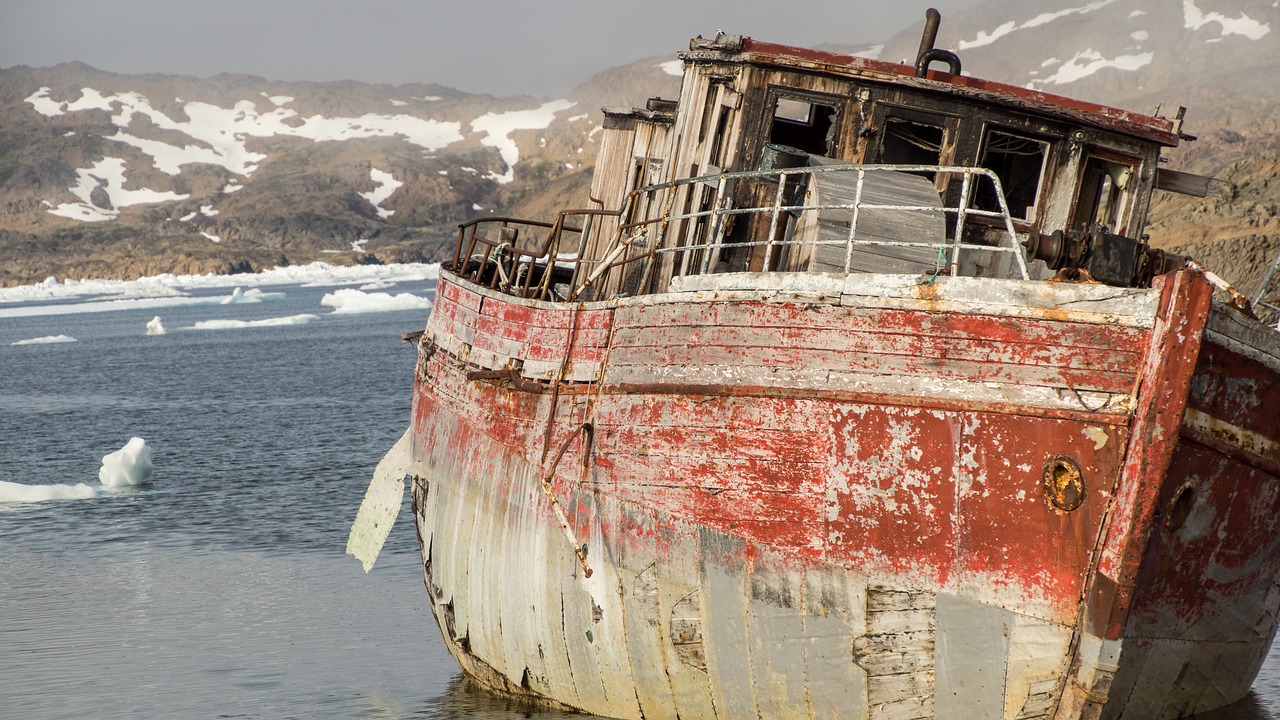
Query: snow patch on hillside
point(219, 136)
point(986, 38)
point(1194, 18)
point(107, 175)
point(386, 185)
point(1088, 62)
point(498, 127)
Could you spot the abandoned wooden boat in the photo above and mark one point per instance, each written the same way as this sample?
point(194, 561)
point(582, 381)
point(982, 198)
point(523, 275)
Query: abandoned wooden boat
point(795, 418)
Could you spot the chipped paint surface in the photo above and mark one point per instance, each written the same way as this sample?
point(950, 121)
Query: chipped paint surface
point(781, 523)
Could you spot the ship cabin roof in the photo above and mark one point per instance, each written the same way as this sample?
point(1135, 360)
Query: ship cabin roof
point(783, 159)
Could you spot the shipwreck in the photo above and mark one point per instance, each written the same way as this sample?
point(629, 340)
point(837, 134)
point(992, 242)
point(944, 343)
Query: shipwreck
point(852, 390)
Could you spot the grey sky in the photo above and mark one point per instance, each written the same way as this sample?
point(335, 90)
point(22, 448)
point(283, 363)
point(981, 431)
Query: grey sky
point(503, 47)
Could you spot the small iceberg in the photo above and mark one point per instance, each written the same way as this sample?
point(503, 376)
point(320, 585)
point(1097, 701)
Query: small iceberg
point(128, 466)
point(155, 327)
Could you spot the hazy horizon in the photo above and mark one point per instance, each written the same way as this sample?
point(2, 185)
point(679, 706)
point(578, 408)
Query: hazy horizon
point(498, 47)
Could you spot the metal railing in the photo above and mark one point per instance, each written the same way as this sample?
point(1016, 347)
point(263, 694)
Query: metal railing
point(1268, 295)
point(702, 235)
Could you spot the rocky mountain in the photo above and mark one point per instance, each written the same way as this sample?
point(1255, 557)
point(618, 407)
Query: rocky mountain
point(117, 176)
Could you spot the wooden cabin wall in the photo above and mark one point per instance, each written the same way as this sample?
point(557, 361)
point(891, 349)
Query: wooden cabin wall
point(633, 153)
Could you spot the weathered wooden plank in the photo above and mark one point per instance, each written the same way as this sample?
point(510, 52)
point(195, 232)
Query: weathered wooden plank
point(705, 413)
point(513, 312)
point(680, 616)
point(550, 673)
point(578, 629)
point(508, 560)
point(799, 445)
point(728, 362)
point(724, 608)
point(642, 615)
point(1037, 660)
point(715, 475)
point(970, 658)
point(835, 612)
point(994, 350)
point(590, 514)
point(775, 621)
point(803, 388)
point(853, 320)
point(785, 519)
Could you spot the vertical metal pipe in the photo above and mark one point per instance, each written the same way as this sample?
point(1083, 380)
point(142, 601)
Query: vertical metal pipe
point(932, 18)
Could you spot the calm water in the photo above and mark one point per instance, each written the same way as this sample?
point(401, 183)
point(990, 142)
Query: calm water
point(221, 589)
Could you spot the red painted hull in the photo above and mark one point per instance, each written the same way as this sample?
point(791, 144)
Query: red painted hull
point(832, 501)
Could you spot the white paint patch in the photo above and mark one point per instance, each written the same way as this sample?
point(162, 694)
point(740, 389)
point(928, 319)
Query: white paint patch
point(1194, 19)
point(498, 127)
point(386, 186)
point(1088, 62)
point(672, 67)
point(985, 38)
point(1098, 436)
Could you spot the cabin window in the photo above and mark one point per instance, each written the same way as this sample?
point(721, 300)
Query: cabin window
point(906, 142)
point(1103, 199)
point(1019, 162)
point(803, 125)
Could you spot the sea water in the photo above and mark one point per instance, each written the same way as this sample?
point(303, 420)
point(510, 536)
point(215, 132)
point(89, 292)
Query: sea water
point(220, 587)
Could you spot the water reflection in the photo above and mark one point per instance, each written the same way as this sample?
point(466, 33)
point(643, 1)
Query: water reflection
point(465, 699)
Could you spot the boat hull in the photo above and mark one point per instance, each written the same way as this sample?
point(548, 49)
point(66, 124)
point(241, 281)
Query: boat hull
point(908, 500)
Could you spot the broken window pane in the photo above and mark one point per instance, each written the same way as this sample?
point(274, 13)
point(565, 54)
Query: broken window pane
point(1019, 162)
point(802, 125)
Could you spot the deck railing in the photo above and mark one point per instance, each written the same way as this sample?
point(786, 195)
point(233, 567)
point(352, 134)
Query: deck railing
point(643, 252)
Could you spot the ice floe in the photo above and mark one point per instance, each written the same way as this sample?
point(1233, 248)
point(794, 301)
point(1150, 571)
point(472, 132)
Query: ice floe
point(155, 327)
point(348, 301)
point(129, 466)
point(265, 322)
point(46, 340)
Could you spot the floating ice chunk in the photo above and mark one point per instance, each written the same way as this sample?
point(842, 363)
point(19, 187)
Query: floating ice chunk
point(46, 340)
point(349, 301)
point(240, 296)
point(268, 322)
point(130, 465)
point(11, 492)
point(155, 327)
